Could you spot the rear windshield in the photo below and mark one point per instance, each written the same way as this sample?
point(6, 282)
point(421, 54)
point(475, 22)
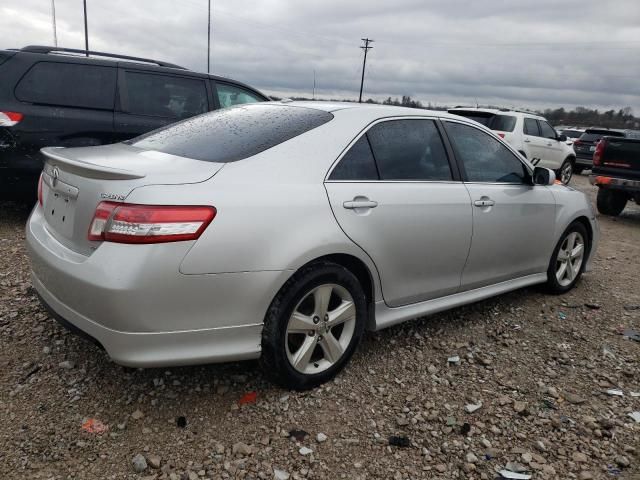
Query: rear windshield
point(502, 123)
point(234, 133)
point(594, 136)
point(572, 133)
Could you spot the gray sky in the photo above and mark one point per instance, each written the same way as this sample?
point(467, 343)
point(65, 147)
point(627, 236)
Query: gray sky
point(546, 53)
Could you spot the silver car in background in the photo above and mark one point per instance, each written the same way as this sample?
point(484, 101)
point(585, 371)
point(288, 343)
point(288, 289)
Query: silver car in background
point(282, 231)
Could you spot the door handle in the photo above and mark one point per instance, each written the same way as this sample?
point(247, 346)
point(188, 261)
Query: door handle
point(549, 144)
point(484, 202)
point(360, 202)
point(526, 141)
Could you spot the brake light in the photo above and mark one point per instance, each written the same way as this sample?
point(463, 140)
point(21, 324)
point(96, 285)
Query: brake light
point(130, 223)
point(9, 119)
point(40, 200)
point(501, 135)
point(577, 142)
point(597, 155)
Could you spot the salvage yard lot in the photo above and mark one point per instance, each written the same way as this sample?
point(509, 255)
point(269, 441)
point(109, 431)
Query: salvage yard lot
point(540, 365)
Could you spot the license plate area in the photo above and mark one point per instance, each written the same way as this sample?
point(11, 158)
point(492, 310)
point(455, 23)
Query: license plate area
point(592, 149)
point(59, 211)
point(59, 206)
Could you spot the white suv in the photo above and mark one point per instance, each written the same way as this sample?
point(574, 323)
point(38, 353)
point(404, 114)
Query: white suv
point(528, 133)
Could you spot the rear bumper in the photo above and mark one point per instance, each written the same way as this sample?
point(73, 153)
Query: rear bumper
point(606, 181)
point(159, 349)
point(584, 161)
point(134, 302)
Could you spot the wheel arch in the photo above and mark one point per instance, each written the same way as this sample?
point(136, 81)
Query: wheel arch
point(584, 221)
point(360, 270)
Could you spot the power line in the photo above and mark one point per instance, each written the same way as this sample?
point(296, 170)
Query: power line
point(366, 48)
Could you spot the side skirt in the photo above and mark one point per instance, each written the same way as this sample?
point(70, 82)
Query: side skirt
point(386, 316)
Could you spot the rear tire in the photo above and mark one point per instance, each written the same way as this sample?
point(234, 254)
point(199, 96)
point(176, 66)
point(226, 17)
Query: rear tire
point(611, 202)
point(568, 259)
point(314, 324)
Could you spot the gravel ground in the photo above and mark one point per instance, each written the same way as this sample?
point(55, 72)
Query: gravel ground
point(539, 365)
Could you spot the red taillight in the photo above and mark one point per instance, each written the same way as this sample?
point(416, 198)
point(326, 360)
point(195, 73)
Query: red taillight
point(501, 135)
point(577, 142)
point(40, 201)
point(129, 223)
point(9, 119)
point(597, 155)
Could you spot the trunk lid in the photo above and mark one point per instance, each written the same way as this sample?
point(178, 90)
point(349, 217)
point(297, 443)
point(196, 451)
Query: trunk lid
point(76, 180)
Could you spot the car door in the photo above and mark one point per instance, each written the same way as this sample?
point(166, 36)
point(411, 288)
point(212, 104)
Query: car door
point(150, 100)
point(513, 220)
point(394, 193)
point(533, 147)
point(552, 149)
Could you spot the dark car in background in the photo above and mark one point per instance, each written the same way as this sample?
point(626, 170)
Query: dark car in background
point(63, 97)
point(616, 173)
point(585, 146)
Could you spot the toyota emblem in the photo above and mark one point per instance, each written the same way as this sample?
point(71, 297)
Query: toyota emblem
point(55, 173)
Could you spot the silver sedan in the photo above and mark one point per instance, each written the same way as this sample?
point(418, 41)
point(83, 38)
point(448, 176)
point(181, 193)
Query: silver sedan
point(283, 231)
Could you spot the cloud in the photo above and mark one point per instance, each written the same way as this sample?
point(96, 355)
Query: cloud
point(534, 54)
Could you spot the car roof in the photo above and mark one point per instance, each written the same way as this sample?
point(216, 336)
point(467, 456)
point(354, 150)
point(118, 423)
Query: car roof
point(373, 110)
point(53, 54)
point(496, 111)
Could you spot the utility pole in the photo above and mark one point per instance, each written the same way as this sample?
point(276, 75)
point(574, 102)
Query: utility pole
point(209, 40)
point(366, 48)
point(86, 30)
point(53, 21)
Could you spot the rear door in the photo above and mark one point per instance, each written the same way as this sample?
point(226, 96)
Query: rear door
point(151, 99)
point(513, 221)
point(395, 194)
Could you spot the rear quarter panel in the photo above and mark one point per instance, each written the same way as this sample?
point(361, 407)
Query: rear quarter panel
point(273, 213)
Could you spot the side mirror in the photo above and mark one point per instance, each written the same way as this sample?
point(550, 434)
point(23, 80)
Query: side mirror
point(562, 138)
point(543, 176)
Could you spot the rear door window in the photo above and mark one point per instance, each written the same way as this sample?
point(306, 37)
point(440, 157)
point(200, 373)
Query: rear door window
point(409, 150)
point(357, 164)
point(165, 96)
point(69, 85)
point(230, 95)
point(531, 127)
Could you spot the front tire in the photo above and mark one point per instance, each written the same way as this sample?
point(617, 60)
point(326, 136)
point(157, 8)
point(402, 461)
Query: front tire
point(568, 259)
point(566, 171)
point(313, 326)
point(611, 202)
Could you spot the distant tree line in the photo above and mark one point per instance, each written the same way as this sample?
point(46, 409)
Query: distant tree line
point(579, 117)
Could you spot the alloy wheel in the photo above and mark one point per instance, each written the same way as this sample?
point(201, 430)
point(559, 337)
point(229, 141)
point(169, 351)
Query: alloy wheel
point(320, 328)
point(569, 259)
point(566, 173)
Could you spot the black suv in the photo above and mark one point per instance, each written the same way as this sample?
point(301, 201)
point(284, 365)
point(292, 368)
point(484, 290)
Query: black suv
point(586, 145)
point(64, 97)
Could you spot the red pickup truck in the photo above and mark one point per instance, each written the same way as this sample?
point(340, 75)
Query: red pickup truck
point(616, 172)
